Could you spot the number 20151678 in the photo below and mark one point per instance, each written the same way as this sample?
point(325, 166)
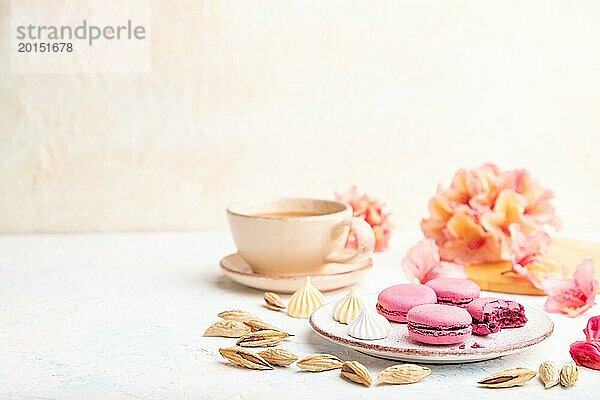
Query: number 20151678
point(61, 47)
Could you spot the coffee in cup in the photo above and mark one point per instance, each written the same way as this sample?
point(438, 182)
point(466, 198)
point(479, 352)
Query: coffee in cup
point(297, 236)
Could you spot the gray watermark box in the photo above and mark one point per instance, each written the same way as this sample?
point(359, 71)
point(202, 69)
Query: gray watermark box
point(80, 36)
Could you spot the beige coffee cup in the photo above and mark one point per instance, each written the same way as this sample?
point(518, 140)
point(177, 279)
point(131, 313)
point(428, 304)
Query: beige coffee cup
point(296, 235)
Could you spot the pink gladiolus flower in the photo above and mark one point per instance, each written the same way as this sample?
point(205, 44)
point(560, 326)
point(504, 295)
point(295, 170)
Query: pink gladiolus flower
point(422, 264)
point(473, 220)
point(571, 296)
point(587, 353)
point(372, 211)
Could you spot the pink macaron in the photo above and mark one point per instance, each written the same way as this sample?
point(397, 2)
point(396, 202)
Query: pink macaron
point(395, 301)
point(439, 324)
point(491, 314)
point(454, 292)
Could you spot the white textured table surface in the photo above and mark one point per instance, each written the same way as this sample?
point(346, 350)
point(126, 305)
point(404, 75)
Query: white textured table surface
point(121, 316)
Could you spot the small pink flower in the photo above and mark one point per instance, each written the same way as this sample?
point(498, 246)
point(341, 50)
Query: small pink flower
point(592, 330)
point(587, 353)
point(422, 264)
point(372, 211)
point(571, 296)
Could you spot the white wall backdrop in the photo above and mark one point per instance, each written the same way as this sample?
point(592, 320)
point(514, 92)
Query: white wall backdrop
point(265, 98)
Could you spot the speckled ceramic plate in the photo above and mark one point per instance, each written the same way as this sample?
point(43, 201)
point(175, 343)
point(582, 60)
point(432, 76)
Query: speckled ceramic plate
point(335, 276)
point(398, 346)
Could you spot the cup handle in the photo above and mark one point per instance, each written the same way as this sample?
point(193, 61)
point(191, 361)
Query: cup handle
point(365, 240)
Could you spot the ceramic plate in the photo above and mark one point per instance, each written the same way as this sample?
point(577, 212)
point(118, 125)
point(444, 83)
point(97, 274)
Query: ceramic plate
point(336, 276)
point(398, 346)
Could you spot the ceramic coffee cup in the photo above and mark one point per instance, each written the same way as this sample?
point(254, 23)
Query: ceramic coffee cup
point(297, 236)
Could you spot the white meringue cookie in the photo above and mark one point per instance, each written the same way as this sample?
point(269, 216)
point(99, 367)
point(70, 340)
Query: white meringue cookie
point(369, 325)
point(347, 308)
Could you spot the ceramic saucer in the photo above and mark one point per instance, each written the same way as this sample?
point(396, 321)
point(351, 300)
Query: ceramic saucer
point(335, 276)
point(398, 345)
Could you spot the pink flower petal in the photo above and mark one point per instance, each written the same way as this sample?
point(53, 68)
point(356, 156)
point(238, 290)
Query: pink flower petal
point(422, 264)
point(524, 247)
point(584, 278)
point(586, 354)
point(421, 260)
point(450, 270)
point(572, 296)
point(537, 198)
point(526, 251)
point(592, 330)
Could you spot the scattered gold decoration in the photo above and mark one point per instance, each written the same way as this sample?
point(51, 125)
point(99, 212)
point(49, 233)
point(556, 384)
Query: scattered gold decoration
point(273, 301)
point(319, 363)
point(403, 374)
point(569, 374)
point(245, 358)
point(508, 378)
point(279, 357)
point(228, 328)
point(356, 372)
point(549, 374)
point(265, 338)
point(237, 315)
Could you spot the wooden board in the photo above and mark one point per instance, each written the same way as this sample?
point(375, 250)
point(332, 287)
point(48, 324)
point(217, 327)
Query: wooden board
point(565, 253)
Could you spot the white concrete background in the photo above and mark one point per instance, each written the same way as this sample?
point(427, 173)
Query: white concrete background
point(283, 97)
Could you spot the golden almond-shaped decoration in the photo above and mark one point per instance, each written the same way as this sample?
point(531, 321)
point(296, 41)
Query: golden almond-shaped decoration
point(347, 308)
point(305, 300)
point(237, 315)
point(508, 378)
point(228, 328)
point(319, 363)
point(245, 358)
point(279, 357)
point(273, 301)
point(266, 338)
point(356, 372)
point(549, 374)
point(403, 374)
point(569, 374)
point(256, 325)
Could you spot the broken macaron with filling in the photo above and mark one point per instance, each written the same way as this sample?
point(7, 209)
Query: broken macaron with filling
point(491, 315)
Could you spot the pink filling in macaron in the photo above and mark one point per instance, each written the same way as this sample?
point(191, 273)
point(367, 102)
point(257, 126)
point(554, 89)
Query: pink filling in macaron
point(490, 315)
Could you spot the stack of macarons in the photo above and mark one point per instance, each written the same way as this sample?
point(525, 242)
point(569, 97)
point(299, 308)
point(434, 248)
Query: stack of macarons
point(447, 310)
